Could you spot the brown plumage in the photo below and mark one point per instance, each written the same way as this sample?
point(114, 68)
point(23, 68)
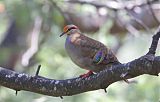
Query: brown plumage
point(86, 52)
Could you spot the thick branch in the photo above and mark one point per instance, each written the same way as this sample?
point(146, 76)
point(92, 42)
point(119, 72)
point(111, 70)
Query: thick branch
point(147, 64)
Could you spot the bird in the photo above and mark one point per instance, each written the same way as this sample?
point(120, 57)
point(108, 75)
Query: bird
point(86, 52)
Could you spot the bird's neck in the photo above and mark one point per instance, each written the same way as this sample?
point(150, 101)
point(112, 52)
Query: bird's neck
point(74, 36)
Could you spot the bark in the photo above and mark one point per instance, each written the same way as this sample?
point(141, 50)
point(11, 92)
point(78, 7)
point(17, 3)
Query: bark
point(148, 64)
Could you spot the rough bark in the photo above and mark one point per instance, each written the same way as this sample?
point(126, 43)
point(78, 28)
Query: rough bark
point(147, 64)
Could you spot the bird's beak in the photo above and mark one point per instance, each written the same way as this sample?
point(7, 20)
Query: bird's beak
point(62, 34)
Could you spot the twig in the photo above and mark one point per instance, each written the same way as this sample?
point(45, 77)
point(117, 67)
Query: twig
point(16, 92)
point(61, 97)
point(105, 90)
point(153, 47)
point(38, 69)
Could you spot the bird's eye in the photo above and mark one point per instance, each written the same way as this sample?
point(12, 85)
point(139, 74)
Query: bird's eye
point(72, 28)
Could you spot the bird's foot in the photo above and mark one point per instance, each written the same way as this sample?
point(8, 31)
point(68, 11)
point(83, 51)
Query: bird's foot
point(87, 74)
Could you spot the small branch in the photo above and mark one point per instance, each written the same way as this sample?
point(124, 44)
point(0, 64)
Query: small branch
point(16, 92)
point(61, 97)
point(38, 69)
point(153, 47)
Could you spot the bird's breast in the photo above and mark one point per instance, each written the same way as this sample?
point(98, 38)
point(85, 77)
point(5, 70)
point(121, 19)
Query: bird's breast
point(75, 52)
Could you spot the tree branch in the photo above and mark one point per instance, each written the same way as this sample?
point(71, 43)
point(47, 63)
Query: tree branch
point(147, 64)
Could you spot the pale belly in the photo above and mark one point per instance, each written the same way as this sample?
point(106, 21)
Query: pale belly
point(75, 54)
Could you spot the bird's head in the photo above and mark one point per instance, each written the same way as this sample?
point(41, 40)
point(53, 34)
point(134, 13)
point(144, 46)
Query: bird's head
point(68, 28)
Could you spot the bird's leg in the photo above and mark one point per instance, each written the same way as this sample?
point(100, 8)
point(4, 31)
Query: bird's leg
point(99, 56)
point(87, 74)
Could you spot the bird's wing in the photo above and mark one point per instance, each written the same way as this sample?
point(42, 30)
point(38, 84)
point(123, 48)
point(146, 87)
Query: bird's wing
point(91, 43)
point(98, 51)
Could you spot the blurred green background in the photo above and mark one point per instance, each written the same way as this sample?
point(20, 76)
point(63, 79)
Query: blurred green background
point(29, 36)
